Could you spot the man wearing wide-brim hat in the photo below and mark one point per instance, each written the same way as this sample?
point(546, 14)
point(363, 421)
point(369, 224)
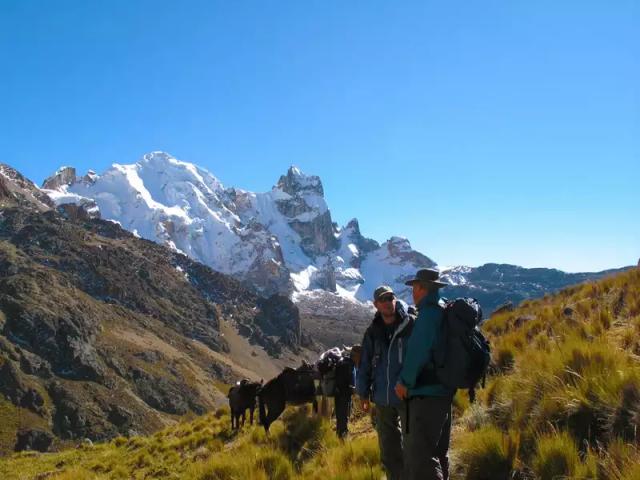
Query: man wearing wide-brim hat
point(428, 402)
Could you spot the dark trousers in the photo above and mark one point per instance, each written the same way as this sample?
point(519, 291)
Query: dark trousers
point(343, 410)
point(426, 446)
point(390, 440)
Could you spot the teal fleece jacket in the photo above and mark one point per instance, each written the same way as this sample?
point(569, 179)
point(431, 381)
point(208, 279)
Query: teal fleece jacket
point(419, 353)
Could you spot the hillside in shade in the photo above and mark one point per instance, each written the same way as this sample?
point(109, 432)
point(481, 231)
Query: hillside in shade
point(103, 333)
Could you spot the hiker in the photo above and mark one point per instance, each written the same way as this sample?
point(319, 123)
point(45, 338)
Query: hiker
point(428, 402)
point(337, 379)
point(345, 380)
point(381, 358)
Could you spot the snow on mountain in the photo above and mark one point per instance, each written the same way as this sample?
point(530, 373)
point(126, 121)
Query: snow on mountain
point(456, 275)
point(283, 240)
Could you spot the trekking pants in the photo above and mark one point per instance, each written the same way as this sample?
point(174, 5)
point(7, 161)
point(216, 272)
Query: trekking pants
point(343, 410)
point(426, 446)
point(390, 440)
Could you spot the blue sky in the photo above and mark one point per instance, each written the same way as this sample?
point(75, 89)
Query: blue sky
point(502, 131)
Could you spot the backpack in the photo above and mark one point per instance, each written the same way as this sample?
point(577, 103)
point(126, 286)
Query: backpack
point(462, 354)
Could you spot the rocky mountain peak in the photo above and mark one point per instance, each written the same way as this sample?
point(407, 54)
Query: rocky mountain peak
point(64, 176)
point(354, 226)
point(400, 248)
point(90, 178)
point(295, 182)
point(351, 233)
point(18, 189)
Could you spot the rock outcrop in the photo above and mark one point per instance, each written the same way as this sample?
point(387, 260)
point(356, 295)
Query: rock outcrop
point(306, 212)
point(63, 177)
point(35, 440)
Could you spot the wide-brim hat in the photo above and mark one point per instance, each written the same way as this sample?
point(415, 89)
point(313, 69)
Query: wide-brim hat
point(427, 276)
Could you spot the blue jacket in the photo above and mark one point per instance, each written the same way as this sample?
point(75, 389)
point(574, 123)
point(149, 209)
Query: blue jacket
point(420, 348)
point(383, 350)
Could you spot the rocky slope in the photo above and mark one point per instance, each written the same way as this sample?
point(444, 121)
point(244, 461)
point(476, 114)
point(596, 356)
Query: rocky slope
point(104, 333)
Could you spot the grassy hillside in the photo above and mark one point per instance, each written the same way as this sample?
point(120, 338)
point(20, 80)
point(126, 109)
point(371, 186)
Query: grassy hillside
point(563, 402)
point(300, 446)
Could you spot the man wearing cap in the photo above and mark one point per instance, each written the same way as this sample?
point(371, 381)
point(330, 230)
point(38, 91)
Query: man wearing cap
point(381, 358)
point(428, 406)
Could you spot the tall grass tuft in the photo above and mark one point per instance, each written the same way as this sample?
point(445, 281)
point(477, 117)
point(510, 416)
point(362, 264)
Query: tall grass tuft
point(484, 451)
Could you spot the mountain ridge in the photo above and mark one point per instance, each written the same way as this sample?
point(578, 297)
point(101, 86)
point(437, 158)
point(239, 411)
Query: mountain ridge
point(283, 240)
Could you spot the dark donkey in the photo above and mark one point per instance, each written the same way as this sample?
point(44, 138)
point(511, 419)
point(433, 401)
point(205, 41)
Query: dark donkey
point(242, 396)
point(294, 387)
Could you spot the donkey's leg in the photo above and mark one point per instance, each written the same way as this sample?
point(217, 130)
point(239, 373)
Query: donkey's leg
point(251, 409)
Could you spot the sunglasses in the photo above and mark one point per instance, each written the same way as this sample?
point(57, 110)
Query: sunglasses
point(386, 298)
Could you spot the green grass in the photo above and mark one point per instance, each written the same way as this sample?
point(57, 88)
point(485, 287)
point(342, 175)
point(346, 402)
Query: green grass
point(299, 446)
point(565, 389)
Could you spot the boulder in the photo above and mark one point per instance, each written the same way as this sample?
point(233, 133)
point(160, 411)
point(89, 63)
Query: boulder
point(120, 417)
point(37, 440)
point(34, 365)
point(17, 389)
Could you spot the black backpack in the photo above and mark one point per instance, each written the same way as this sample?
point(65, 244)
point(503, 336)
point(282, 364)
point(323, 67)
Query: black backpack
point(462, 354)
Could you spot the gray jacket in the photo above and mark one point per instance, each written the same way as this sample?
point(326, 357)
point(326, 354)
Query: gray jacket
point(383, 352)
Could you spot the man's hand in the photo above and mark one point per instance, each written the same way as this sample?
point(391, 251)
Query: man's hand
point(366, 406)
point(401, 391)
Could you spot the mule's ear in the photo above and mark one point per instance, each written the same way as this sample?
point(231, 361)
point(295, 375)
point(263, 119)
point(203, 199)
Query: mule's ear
point(261, 381)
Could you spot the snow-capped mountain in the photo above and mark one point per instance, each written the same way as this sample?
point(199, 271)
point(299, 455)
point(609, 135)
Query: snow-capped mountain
point(283, 240)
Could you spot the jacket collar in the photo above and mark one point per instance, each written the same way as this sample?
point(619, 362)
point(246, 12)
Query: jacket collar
point(406, 319)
